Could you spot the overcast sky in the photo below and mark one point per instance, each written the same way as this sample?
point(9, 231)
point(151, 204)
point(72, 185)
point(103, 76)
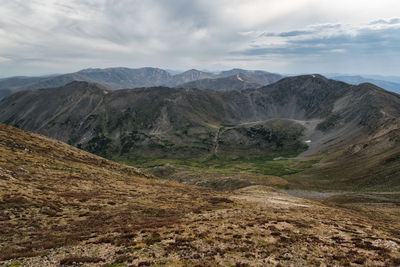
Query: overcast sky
point(286, 36)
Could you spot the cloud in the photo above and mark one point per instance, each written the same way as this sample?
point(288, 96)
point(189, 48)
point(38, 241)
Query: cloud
point(112, 33)
point(4, 59)
point(278, 35)
point(288, 34)
point(323, 40)
point(388, 21)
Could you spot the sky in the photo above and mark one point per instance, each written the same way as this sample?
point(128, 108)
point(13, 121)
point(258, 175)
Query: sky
point(39, 37)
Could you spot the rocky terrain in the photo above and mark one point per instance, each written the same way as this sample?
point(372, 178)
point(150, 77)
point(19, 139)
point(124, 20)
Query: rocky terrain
point(72, 208)
point(334, 128)
point(235, 82)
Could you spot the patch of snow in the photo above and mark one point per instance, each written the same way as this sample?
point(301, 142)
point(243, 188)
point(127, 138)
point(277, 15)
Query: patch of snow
point(238, 77)
point(308, 141)
point(313, 76)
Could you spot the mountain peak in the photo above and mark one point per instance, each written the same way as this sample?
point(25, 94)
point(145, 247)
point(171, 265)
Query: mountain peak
point(300, 79)
point(87, 70)
point(315, 76)
point(193, 70)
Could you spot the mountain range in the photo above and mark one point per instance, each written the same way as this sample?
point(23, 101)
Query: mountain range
point(201, 177)
point(388, 85)
point(121, 78)
point(307, 114)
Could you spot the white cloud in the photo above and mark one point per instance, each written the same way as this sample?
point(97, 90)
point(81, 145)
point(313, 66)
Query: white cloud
point(39, 36)
point(4, 60)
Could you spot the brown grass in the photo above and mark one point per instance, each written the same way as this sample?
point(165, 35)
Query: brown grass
point(74, 259)
point(106, 213)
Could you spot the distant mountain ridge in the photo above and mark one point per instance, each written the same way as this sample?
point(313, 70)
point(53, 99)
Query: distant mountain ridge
point(235, 82)
point(122, 78)
point(257, 76)
point(388, 85)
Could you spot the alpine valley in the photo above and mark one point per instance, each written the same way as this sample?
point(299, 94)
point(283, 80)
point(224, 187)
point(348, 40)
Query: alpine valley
point(140, 167)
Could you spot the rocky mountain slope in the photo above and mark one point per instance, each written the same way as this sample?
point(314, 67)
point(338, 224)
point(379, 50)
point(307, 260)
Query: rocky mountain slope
point(63, 206)
point(257, 76)
point(235, 82)
point(4, 93)
point(188, 76)
point(309, 114)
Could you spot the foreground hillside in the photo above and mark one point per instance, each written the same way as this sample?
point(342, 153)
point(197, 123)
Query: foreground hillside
point(57, 195)
point(60, 205)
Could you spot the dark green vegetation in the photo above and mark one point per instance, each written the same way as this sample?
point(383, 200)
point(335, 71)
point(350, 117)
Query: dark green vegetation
point(330, 122)
point(345, 136)
point(222, 172)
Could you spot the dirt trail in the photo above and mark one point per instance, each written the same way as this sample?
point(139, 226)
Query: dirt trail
point(268, 197)
point(216, 141)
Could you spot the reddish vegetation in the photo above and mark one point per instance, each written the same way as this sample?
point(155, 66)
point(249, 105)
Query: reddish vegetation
point(71, 207)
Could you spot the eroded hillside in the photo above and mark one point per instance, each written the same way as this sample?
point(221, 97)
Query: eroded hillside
point(334, 126)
